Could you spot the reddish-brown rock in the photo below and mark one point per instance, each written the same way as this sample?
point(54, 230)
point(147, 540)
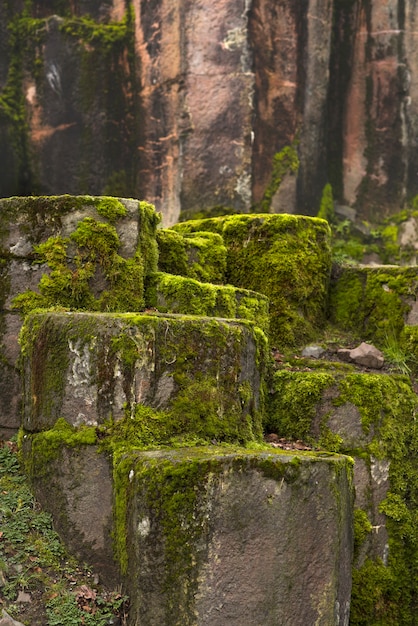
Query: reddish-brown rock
point(187, 104)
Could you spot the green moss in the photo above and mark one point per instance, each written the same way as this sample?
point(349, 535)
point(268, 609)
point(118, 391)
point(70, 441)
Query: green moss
point(25, 39)
point(47, 445)
point(201, 256)
point(372, 302)
point(293, 404)
point(147, 242)
point(329, 440)
point(285, 257)
point(390, 241)
point(110, 208)
point(326, 209)
point(172, 252)
point(376, 596)
point(103, 35)
point(362, 529)
point(69, 283)
point(284, 162)
point(176, 294)
point(206, 256)
point(408, 344)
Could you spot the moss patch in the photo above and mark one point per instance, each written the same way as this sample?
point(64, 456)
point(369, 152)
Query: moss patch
point(284, 162)
point(201, 256)
point(372, 302)
point(176, 294)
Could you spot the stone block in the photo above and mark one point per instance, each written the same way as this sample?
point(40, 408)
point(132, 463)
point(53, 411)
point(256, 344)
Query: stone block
point(374, 302)
point(285, 257)
point(74, 484)
point(206, 375)
point(371, 417)
point(130, 226)
point(204, 535)
point(220, 538)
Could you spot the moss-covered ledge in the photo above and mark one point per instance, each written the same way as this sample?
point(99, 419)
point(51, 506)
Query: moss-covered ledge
point(203, 377)
point(178, 294)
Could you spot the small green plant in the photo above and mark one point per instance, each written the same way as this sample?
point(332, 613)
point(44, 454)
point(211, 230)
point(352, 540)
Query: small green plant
point(395, 354)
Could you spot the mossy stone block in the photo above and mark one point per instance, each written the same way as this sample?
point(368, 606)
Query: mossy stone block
point(371, 417)
point(373, 302)
point(169, 376)
point(211, 537)
point(200, 255)
point(29, 221)
point(285, 257)
point(177, 294)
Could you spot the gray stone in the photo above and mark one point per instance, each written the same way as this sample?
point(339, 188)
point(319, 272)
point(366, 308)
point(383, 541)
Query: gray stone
point(251, 546)
point(313, 352)
point(76, 488)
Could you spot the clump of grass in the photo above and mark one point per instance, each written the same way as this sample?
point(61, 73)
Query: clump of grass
point(34, 563)
point(395, 355)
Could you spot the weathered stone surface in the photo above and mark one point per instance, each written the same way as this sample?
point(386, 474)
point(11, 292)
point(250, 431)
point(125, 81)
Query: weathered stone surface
point(89, 368)
point(371, 417)
point(196, 84)
point(243, 543)
point(28, 222)
point(129, 103)
point(206, 535)
point(75, 485)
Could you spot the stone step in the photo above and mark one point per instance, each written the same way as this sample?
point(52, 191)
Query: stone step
point(205, 376)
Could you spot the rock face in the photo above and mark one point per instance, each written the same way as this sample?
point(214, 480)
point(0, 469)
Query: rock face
point(189, 106)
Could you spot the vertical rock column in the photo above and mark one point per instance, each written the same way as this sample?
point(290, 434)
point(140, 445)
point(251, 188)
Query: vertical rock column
point(292, 45)
point(197, 88)
point(378, 114)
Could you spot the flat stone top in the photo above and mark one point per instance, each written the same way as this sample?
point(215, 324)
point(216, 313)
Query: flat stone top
point(231, 453)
